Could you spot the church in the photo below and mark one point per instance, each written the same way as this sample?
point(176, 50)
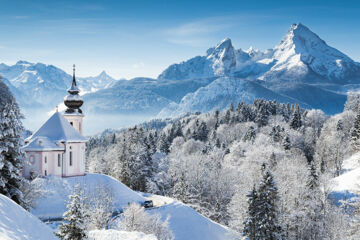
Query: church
point(58, 147)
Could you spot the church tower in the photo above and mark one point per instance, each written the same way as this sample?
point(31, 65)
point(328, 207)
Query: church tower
point(73, 102)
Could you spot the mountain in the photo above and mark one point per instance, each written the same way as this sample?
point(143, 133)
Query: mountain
point(301, 52)
point(36, 85)
point(301, 68)
point(220, 93)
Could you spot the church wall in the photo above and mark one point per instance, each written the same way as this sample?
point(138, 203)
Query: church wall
point(32, 163)
point(78, 159)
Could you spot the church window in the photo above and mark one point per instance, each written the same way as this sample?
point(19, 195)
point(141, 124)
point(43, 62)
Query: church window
point(59, 164)
point(45, 173)
point(70, 158)
point(45, 159)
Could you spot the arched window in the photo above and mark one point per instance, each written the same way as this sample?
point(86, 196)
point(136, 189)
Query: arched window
point(71, 123)
point(45, 159)
point(79, 126)
point(70, 157)
point(45, 173)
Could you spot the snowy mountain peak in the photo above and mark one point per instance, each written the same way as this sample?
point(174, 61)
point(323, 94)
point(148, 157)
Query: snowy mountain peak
point(223, 58)
point(302, 51)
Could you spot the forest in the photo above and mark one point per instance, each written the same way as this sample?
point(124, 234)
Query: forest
point(264, 169)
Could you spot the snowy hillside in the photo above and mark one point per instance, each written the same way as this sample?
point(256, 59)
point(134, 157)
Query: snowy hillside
point(186, 223)
point(53, 204)
point(349, 181)
point(18, 224)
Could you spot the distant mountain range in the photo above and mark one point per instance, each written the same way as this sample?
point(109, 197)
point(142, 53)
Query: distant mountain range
point(39, 85)
point(301, 68)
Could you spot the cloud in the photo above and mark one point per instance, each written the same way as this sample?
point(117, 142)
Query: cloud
point(196, 33)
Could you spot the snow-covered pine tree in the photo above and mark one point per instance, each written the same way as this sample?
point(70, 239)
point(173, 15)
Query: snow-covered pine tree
point(250, 134)
point(312, 204)
point(269, 227)
point(286, 142)
point(251, 224)
point(355, 134)
point(10, 146)
point(163, 144)
point(202, 132)
point(231, 107)
point(295, 121)
point(74, 227)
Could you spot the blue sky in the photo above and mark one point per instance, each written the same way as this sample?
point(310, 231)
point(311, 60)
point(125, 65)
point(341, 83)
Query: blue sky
point(141, 38)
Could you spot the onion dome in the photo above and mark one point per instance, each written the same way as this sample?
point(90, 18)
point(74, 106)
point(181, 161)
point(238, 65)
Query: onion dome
point(73, 101)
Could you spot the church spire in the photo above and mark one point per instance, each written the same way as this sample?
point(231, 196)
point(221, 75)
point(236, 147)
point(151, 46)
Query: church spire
point(73, 89)
point(74, 80)
point(73, 101)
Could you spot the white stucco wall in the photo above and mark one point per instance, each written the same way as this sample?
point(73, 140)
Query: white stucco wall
point(76, 120)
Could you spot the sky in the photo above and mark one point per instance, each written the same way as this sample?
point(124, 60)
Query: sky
point(140, 38)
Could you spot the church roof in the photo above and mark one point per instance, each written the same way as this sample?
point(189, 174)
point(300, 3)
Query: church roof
point(43, 144)
point(58, 129)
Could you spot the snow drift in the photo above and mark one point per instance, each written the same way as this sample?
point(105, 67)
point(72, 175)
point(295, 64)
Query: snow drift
point(18, 224)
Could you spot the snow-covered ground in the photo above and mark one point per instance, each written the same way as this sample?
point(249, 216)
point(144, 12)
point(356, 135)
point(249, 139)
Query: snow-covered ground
point(112, 234)
point(53, 203)
point(18, 224)
point(185, 222)
point(347, 185)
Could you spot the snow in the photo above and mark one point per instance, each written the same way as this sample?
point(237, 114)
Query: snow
point(42, 144)
point(302, 48)
point(57, 189)
point(112, 234)
point(186, 223)
point(220, 93)
point(57, 129)
point(18, 224)
point(349, 181)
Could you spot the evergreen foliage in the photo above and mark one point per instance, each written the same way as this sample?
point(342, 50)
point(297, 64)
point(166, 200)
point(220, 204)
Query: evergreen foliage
point(74, 226)
point(10, 147)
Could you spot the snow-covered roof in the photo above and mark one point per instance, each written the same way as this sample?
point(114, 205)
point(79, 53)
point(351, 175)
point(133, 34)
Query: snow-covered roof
point(58, 129)
point(42, 144)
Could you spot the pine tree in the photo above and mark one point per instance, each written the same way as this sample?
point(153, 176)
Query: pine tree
point(295, 121)
point(251, 224)
point(269, 227)
point(227, 117)
point(10, 149)
point(164, 145)
point(231, 108)
point(355, 134)
point(202, 132)
point(286, 143)
point(250, 134)
point(74, 226)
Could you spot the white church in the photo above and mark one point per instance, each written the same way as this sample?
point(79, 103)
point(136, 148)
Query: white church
point(58, 147)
